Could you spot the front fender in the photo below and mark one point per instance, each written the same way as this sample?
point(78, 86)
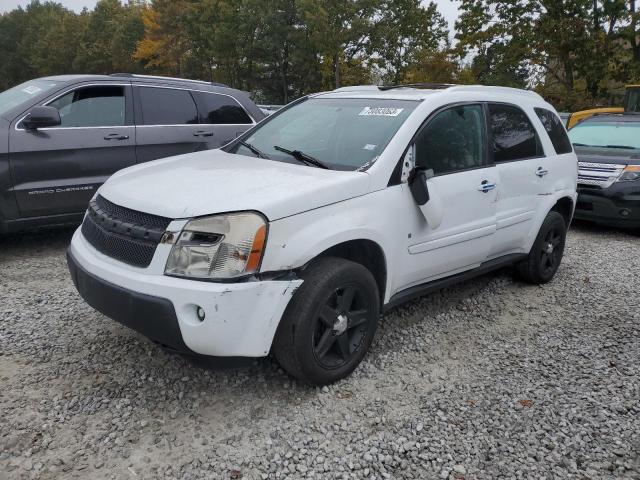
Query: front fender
point(296, 240)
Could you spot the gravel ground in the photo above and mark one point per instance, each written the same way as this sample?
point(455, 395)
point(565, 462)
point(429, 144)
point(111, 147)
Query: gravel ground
point(489, 379)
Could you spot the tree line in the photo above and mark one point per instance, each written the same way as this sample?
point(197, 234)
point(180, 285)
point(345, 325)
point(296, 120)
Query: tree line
point(578, 53)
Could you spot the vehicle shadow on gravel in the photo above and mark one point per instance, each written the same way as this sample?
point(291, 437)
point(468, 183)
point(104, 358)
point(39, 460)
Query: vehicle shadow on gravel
point(50, 239)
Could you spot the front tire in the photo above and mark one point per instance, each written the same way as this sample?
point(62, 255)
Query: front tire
point(330, 322)
point(545, 256)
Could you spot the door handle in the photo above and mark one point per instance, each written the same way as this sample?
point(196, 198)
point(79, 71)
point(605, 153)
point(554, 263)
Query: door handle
point(486, 187)
point(116, 136)
point(203, 133)
point(541, 172)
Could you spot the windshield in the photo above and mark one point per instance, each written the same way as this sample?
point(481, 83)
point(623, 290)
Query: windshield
point(15, 96)
point(606, 134)
point(342, 133)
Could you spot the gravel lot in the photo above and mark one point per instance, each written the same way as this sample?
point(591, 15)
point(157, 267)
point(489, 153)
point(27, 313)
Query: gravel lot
point(489, 379)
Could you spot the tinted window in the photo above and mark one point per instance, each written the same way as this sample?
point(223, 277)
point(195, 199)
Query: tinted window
point(453, 140)
point(220, 109)
point(556, 130)
point(167, 106)
point(514, 137)
point(102, 106)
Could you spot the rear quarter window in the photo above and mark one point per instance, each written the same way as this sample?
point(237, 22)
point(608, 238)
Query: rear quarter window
point(556, 131)
point(219, 109)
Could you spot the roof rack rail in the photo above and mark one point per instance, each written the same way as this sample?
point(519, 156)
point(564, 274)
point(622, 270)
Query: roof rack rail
point(159, 77)
point(425, 85)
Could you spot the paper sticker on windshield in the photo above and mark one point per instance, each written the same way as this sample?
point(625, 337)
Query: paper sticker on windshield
point(32, 90)
point(380, 112)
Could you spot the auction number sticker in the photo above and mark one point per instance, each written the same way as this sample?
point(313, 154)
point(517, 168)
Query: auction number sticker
point(380, 112)
point(32, 90)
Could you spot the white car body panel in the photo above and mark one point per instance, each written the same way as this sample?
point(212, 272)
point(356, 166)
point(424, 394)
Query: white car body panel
point(214, 181)
point(311, 210)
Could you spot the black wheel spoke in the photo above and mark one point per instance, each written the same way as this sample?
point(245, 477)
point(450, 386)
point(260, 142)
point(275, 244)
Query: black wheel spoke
point(357, 318)
point(326, 342)
point(343, 346)
point(328, 316)
point(346, 299)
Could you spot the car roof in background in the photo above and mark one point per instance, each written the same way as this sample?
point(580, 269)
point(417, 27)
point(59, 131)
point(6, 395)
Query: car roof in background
point(612, 118)
point(150, 79)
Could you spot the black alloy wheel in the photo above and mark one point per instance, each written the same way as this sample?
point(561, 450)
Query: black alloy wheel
point(329, 323)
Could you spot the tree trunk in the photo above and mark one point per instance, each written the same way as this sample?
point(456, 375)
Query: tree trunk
point(336, 70)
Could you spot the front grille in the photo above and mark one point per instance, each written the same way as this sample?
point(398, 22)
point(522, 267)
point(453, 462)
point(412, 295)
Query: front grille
point(121, 233)
point(598, 174)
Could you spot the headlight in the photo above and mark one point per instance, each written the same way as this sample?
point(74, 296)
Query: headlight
point(219, 247)
point(630, 174)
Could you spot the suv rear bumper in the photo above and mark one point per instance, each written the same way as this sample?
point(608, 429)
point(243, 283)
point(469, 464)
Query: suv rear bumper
point(618, 205)
point(240, 318)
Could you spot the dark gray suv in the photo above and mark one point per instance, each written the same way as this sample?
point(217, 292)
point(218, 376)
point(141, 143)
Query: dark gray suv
point(62, 137)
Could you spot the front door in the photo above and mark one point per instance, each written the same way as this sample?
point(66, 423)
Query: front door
point(453, 143)
point(57, 170)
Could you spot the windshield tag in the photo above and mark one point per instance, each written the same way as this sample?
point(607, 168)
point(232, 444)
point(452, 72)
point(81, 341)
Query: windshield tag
point(380, 112)
point(368, 146)
point(32, 90)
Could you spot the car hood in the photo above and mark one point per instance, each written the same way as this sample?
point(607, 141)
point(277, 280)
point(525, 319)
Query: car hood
point(616, 156)
point(214, 181)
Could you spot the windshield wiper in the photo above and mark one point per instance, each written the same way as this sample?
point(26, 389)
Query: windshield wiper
point(624, 147)
point(259, 153)
point(303, 157)
point(582, 145)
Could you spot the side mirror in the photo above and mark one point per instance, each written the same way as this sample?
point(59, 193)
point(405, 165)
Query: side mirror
point(426, 196)
point(41, 117)
point(418, 185)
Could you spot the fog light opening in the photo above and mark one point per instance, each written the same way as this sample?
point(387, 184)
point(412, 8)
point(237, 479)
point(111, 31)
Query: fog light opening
point(200, 313)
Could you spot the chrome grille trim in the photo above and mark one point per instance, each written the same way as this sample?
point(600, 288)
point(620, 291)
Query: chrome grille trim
point(601, 175)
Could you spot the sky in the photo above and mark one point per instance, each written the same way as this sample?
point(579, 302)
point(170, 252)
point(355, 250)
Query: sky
point(448, 8)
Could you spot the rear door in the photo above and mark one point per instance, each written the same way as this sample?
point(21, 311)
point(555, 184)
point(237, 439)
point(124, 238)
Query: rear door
point(168, 123)
point(57, 170)
point(519, 158)
point(223, 114)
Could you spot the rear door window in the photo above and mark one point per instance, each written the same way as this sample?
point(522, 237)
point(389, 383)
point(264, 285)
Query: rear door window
point(96, 106)
point(555, 129)
point(219, 109)
point(167, 106)
point(513, 134)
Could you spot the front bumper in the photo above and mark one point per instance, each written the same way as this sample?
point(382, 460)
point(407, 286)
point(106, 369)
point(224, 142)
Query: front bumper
point(240, 318)
point(618, 205)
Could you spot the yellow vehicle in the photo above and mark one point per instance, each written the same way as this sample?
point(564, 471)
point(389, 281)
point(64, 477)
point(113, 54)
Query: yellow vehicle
point(631, 104)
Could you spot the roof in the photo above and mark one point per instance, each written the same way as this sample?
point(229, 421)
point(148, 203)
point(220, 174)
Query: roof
point(411, 92)
point(612, 117)
point(130, 77)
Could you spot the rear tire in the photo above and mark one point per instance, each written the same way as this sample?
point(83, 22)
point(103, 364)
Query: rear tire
point(545, 256)
point(330, 322)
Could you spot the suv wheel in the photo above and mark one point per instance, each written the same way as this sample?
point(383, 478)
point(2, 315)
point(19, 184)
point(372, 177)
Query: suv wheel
point(545, 256)
point(330, 322)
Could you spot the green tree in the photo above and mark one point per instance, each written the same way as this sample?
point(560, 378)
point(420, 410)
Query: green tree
point(111, 37)
point(407, 31)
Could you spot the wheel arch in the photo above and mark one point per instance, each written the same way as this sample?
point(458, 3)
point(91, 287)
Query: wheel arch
point(365, 252)
point(564, 206)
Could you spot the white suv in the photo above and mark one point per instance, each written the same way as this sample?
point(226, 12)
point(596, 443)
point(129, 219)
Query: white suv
point(293, 238)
